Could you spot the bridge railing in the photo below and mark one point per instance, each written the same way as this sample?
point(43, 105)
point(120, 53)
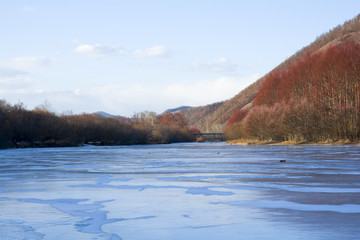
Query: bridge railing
point(211, 137)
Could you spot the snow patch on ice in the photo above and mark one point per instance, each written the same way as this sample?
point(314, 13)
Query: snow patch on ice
point(108, 179)
point(207, 192)
point(92, 217)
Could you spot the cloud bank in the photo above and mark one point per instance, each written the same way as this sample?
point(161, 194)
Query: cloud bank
point(116, 99)
point(221, 64)
point(28, 62)
point(141, 97)
point(98, 50)
point(154, 51)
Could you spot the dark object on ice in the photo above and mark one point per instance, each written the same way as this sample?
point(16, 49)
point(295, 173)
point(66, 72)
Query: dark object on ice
point(282, 160)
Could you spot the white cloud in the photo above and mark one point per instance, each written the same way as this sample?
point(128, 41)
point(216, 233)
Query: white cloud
point(154, 51)
point(209, 91)
point(61, 100)
point(219, 65)
point(98, 50)
point(28, 62)
point(18, 83)
point(15, 79)
point(7, 73)
point(117, 100)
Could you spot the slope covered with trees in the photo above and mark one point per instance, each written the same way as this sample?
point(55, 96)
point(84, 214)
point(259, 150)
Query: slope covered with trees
point(40, 128)
point(313, 96)
point(213, 117)
point(216, 119)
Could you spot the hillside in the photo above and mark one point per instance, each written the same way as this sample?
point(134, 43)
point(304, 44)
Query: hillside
point(312, 97)
point(213, 117)
point(175, 110)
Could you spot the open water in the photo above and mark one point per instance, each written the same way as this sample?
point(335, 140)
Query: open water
point(181, 191)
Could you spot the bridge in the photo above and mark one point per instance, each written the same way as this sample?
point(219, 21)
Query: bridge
point(210, 137)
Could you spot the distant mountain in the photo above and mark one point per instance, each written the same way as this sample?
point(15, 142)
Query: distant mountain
point(105, 114)
point(213, 117)
point(173, 110)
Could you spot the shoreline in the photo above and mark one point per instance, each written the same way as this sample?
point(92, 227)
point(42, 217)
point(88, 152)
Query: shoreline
point(269, 142)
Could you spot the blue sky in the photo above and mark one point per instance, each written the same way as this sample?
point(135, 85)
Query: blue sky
point(128, 56)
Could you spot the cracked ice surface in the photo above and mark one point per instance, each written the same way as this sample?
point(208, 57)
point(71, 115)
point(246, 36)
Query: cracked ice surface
point(181, 191)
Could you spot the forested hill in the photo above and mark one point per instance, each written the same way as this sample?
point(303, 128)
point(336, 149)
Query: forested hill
point(314, 96)
point(213, 117)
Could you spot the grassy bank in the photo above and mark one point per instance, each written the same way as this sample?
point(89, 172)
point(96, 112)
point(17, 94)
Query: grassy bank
point(270, 142)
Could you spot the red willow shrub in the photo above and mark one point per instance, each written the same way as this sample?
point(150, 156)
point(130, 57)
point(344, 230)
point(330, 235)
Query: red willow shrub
point(316, 98)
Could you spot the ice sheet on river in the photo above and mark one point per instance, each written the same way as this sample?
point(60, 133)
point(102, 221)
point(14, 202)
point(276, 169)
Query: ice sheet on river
point(181, 191)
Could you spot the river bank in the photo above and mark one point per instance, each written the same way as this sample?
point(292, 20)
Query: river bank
point(270, 142)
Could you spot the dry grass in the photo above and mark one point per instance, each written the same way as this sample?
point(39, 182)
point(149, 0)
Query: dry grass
point(270, 142)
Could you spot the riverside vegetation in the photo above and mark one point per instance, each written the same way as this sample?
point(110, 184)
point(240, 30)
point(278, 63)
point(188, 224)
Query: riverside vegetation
point(42, 128)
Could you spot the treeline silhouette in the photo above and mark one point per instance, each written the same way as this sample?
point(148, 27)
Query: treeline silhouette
point(42, 128)
point(316, 98)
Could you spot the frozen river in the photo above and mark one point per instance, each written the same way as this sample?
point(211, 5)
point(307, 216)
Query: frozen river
point(191, 191)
